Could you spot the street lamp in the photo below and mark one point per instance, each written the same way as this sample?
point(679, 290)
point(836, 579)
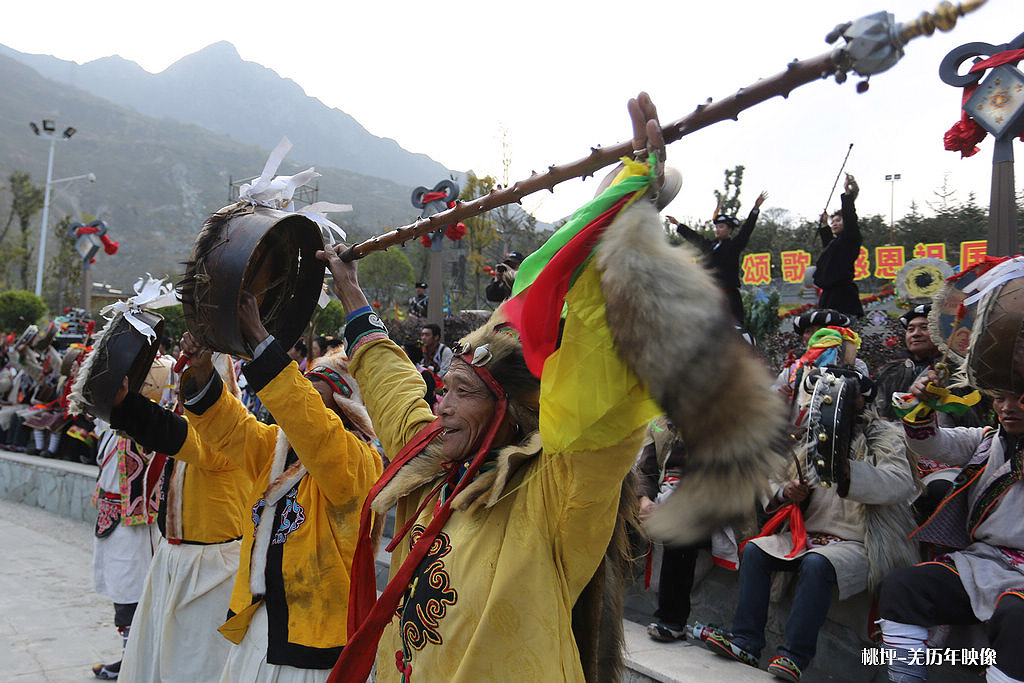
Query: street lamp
point(892, 178)
point(49, 130)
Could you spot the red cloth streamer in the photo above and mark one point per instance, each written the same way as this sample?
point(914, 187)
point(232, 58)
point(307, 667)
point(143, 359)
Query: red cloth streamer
point(427, 242)
point(965, 134)
point(791, 513)
point(368, 617)
point(541, 303)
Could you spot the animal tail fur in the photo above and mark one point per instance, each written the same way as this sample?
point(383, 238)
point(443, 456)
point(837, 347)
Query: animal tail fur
point(671, 327)
point(597, 614)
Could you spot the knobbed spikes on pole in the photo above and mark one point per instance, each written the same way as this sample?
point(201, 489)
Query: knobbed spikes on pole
point(872, 44)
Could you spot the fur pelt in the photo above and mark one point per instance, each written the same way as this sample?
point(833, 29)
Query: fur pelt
point(281, 481)
point(597, 614)
point(887, 527)
point(671, 326)
point(352, 408)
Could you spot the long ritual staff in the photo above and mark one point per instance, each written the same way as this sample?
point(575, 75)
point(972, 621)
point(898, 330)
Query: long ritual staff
point(845, 159)
point(872, 45)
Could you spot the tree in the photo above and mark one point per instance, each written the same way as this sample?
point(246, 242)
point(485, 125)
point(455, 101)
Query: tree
point(331, 318)
point(174, 321)
point(385, 274)
point(63, 277)
point(481, 231)
point(729, 197)
point(26, 201)
point(20, 308)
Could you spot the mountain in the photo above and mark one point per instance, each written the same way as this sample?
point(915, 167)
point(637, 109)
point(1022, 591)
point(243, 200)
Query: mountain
point(216, 89)
point(156, 178)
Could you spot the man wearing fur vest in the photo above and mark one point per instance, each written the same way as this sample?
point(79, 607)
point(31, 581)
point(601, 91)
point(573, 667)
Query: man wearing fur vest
point(837, 539)
point(310, 473)
point(982, 580)
point(510, 504)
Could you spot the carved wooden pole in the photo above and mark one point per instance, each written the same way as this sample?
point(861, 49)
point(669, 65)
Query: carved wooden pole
point(873, 44)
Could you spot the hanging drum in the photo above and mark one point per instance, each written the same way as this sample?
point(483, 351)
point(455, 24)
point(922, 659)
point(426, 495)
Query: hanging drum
point(119, 350)
point(268, 253)
point(833, 411)
point(995, 357)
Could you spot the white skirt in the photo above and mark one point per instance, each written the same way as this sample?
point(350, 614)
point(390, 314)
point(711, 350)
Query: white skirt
point(120, 562)
point(247, 661)
point(185, 599)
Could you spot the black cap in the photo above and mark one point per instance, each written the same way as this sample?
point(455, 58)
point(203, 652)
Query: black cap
point(728, 220)
point(824, 317)
point(919, 311)
point(513, 259)
point(421, 285)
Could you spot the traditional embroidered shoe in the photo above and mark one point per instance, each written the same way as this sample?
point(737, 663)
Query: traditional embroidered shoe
point(783, 667)
point(107, 672)
point(724, 647)
point(665, 633)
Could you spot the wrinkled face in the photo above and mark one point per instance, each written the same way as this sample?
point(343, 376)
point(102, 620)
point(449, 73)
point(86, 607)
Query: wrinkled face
point(465, 411)
point(722, 231)
point(919, 340)
point(420, 291)
point(1009, 412)
point(836, 223)
point(427, 338)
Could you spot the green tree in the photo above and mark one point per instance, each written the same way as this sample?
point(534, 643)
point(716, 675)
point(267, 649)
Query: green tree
point(62, 281)
point(331, 318)
point(174, 321)
point(385, 276)
point(481, 232)
point(26, 201)
point(20, 308)
point(729, 197)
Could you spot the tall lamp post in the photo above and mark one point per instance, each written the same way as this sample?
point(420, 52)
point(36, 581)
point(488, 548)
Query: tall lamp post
point(49, 130)
point(892, 178)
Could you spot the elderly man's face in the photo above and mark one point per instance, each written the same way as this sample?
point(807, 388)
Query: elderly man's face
point(465, 411)
point(919, 339)
point(1009, 412)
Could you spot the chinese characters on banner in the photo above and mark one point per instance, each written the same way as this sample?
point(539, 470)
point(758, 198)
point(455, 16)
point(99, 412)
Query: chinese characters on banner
point(888, 261)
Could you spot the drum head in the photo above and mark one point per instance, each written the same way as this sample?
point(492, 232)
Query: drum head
point(269, 253)
point(121, 351)
point(995, 358)
point(942, 323)
point(920, 279)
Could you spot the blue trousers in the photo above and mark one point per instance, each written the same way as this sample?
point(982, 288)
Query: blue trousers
point(810, 605)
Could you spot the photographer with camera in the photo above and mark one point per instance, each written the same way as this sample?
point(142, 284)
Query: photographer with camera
point(500, 287)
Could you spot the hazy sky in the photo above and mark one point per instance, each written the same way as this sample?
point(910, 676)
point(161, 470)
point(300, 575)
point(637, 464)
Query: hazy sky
point(450, 79)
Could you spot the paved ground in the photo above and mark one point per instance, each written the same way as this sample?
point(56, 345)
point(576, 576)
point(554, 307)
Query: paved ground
point(53, 626)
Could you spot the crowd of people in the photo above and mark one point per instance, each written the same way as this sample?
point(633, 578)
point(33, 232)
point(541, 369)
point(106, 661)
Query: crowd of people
point(241, 505)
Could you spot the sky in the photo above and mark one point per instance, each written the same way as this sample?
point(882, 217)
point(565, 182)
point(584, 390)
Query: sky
point(540, 82)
